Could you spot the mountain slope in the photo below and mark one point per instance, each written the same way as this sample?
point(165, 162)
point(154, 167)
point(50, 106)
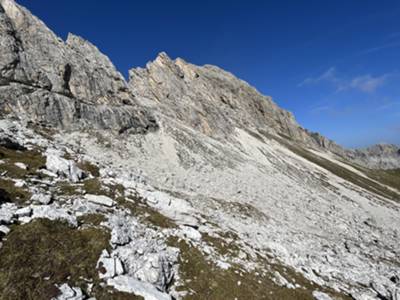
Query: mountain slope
point(185, 182)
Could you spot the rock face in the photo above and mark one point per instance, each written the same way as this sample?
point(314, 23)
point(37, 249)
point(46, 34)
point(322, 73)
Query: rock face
point(67, 84)
point(381, 156)
point(214, 102)
point(72, 85)
point(209, 99)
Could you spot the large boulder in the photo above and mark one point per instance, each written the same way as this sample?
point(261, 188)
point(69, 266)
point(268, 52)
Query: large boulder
point(63, 167)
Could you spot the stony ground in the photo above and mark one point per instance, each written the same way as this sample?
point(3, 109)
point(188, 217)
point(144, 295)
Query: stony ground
point(261, 223)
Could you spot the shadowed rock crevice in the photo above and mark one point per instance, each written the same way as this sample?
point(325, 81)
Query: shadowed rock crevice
point(67, 78)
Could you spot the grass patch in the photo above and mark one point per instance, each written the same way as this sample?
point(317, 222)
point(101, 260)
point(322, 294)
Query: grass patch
point(224, 246)
point(204, 280)
point(108, 293)
point(11, 193)
point(140, 209)
point(388, 177)
point(31, 158)
point(94, 186)
point(88, 167)
point(92, 219)
point(348, 175)
point(243, 209)
point(38, 255)
point(65, 188)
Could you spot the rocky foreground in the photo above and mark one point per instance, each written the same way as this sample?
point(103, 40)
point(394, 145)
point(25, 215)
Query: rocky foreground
point(183, 183)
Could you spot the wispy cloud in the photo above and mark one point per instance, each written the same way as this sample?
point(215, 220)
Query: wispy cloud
point(381, 47)
point(389, 105)
point(364, 83)
point(329, 75)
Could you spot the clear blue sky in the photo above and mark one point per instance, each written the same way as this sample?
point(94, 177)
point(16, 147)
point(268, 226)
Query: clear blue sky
point(334, 64)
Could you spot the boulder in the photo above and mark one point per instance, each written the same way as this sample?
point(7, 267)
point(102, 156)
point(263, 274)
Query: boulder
point(7, 212)
point(21, 165)
point(69, 293)
point(190, 233)
point(108, 266)
point(24, 212)
point(63, 167)
point(100, 199)
point(4, 230)
point(53, 213)
point(321, 296)
point(41, 198)
point(129, 284)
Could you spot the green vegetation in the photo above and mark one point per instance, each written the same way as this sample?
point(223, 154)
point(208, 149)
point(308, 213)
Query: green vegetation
point(389, 177)
point(107, 293)
point(140, 209)
point(92, 219)
point(225, 244)
point(205, 280)
point(96, 187)
point(10, 193)
point(65, 188)
point(137, 206)
point(386, 177)
point(31, 158)
point(88, 167)
point(38, 255)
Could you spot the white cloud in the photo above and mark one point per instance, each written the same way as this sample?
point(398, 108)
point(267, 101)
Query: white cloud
point(364, 83)
point(389, 105)
point(379, 48)
point(328, 75)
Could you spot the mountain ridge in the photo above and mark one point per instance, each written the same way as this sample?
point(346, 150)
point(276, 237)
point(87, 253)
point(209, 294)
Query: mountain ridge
point(183, 183)
point(69, 79)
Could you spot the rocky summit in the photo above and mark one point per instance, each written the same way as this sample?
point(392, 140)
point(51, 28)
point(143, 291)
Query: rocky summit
point(183, 183)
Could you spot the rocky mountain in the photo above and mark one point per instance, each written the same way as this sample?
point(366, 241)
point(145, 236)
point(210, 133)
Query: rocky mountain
point(381, 156)
point(68, 84)
point(183, 183)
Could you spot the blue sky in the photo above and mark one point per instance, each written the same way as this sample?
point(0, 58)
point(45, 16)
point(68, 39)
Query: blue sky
point(334, 64)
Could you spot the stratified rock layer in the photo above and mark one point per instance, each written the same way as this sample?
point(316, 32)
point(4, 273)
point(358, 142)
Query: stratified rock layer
point(68, 84)
point(209, 99)
point(214, 102)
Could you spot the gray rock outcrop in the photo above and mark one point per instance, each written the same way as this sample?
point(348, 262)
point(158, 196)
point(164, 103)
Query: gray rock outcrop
point(209, 99)
point(380, 156)
point(69, 84)
point(72, 85)
point(215, 102)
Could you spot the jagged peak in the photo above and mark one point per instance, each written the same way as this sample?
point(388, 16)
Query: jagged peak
point(13, 11)
point(163, 58)
point(72, 37)
point(74, 40)
point(381, 147)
